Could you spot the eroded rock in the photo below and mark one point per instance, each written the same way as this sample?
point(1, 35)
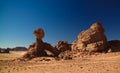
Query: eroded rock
point(92, 39)
point(114, 46)
point(38, 48)
point(65, 50)
point(63, 46)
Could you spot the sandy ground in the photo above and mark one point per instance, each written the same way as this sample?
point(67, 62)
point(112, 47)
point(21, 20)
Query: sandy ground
point(100, 63)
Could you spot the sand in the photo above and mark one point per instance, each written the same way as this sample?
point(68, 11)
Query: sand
point(99, 63)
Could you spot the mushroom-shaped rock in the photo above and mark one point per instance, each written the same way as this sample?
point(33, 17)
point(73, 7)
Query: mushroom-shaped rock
point(39, 33)
point(38, 48)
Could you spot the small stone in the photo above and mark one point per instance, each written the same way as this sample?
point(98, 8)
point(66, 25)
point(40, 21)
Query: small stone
point(81, 67)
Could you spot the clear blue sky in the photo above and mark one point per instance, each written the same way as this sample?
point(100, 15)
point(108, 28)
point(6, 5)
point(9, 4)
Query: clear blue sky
point(60, 19)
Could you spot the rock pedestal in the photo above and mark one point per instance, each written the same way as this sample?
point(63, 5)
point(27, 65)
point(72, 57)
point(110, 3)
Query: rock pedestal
point(38, 48)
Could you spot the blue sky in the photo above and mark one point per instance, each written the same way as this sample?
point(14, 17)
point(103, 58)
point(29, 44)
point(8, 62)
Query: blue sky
point(60, 19)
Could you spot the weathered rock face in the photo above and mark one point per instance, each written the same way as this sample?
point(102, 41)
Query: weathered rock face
point(92, 39)
point(38, 48)
point(63, 46)
point(65, 50)
point(114, 46)
point(39, 33)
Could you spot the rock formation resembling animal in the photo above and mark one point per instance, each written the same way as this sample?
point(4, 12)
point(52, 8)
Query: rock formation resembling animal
point(88, 42)
point(38, 48)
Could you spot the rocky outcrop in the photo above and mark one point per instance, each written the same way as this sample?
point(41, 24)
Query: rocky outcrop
point(92, 39)
point(38, 48)
point(88, 42)
point(113, 46)
point(63, 46)
point(19, 49)
point(5, 51)
point(65, 50)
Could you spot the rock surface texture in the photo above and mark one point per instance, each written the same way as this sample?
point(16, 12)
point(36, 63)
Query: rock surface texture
point(88, 42)
point(64, 49)
point(92, 39)
point(63, 46)
point(114, 46)
point(38, 48)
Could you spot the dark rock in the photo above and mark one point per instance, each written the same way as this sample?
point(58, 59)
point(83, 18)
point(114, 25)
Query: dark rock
point(113, 46)
point(38, 48)
point(5, 51)
point(63, 46)
point(19, 49)
point(65, 50)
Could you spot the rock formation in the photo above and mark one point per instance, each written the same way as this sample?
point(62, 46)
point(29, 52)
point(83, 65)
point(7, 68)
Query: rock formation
point(87, 43)
point(38, 48)
point(63, 46)
point(92, 39)
point(113, 46)
point(5, 51)
point(64, 49)
point(19, 49)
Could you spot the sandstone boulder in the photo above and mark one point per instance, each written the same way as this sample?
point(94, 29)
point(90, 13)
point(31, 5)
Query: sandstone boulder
point(92, 39)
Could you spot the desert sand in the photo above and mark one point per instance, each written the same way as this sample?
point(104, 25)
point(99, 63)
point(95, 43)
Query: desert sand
point(97, 63)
